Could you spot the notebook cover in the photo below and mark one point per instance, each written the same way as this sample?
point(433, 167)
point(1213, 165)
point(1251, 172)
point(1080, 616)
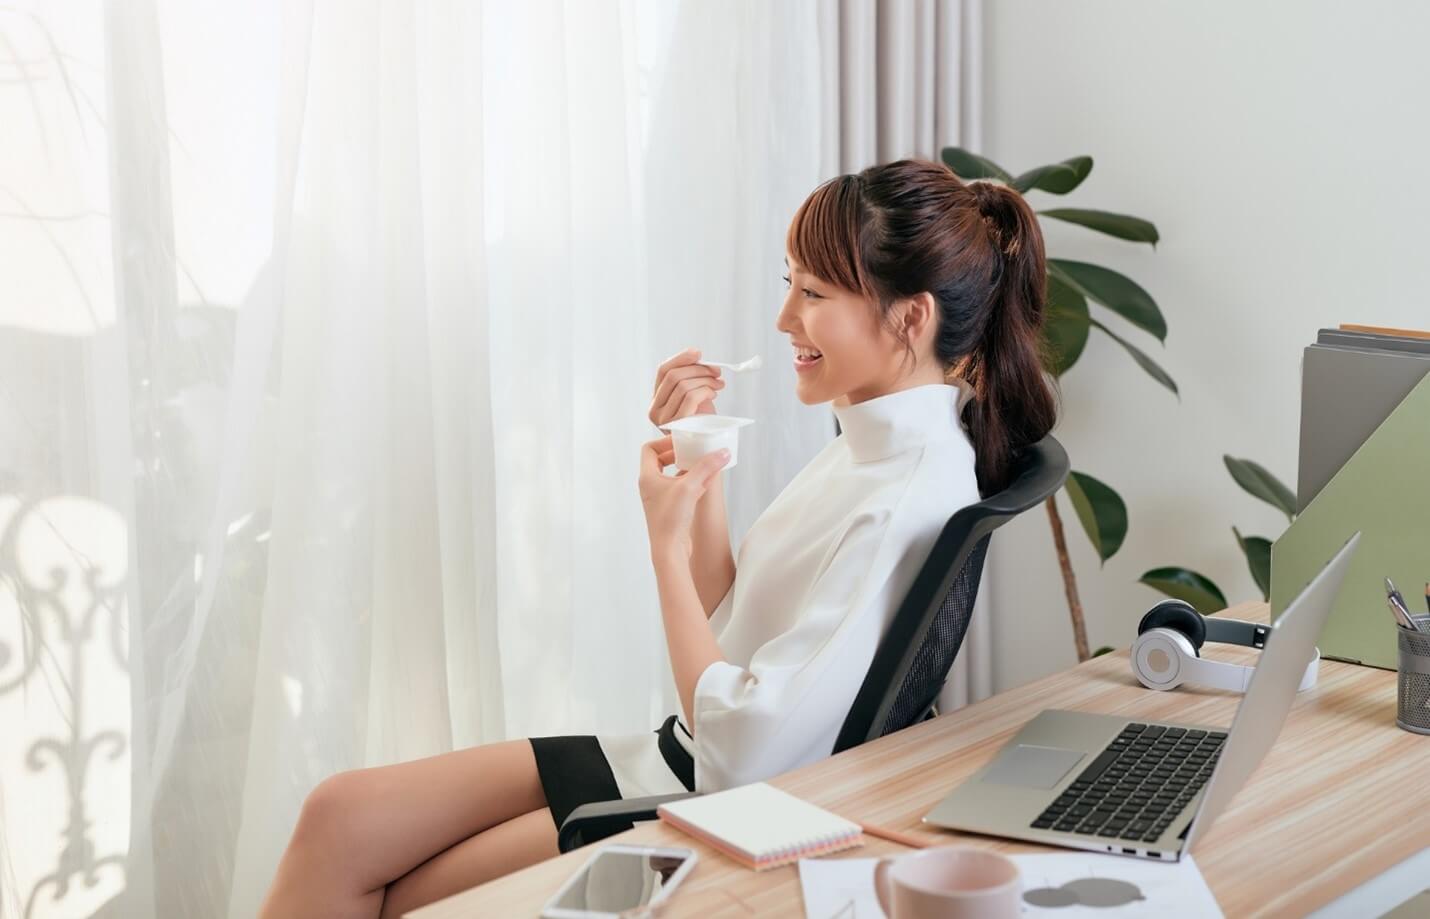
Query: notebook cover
point(819, 844)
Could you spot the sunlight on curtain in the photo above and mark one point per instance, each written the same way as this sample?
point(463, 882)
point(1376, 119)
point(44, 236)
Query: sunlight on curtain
point(328, 333)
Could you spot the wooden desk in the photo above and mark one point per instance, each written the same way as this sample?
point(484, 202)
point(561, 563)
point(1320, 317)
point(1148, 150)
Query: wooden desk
point(1343, 797)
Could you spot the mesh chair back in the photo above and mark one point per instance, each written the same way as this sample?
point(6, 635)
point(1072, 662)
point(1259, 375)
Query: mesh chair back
point(915, 655)
point(936, 653)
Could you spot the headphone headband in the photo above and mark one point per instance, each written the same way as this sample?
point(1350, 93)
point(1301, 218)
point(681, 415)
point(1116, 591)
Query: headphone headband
point(1199, 629)
point(1236, 632)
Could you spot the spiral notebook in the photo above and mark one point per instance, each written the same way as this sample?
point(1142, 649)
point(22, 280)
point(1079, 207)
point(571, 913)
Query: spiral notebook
point(761, 827)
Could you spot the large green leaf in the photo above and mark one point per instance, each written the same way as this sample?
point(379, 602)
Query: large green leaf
point(1143, 361)
point(1258, 558)
point(1117, 292)
point(1260, 483)
point(1059, 178)
point(1122, 226)
point(1065, 327)
point(1185, 584)
point(1101, 510)
point(968, 166)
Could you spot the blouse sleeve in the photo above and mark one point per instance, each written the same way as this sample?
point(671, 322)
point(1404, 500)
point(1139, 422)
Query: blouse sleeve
point(754, 723)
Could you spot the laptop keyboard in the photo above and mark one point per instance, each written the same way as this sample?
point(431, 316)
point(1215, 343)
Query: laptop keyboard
point(1138, 785)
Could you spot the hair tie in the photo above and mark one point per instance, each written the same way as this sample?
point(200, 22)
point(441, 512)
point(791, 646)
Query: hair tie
point(984, 195)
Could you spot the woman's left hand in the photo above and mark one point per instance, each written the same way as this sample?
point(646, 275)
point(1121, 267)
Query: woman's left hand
point(669, 501)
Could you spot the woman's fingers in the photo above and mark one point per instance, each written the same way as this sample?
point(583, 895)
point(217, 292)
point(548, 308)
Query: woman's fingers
point(694, 398)
point(674, 405)
point(651, 453)
point(669, 380)
point(684, 360)
point(707, 468)
point(681, 359)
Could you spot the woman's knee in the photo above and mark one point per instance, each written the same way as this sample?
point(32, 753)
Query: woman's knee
point(331, 812)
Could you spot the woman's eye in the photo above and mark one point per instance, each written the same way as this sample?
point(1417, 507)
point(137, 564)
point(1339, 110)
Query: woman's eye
point(804, 290)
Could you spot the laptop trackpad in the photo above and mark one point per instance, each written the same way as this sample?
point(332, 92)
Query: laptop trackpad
point(1031, 766)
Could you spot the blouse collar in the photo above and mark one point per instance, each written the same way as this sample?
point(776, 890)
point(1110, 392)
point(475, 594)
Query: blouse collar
point(884, 426)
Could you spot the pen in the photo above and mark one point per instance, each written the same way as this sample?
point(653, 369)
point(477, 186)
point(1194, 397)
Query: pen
point(903, 839)
point(1427, 596)
point(1400, 619)
point(1397, 607)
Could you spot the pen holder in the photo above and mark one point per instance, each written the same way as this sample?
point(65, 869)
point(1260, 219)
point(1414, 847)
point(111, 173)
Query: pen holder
point(1412, 710)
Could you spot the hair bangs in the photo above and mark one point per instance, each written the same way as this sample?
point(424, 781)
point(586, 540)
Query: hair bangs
point(823, 238)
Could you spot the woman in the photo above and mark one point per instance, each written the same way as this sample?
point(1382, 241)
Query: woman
point(914, 306)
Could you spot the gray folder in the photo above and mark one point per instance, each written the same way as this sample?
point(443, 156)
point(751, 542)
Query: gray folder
point(1350, 383)
point(1373, 340)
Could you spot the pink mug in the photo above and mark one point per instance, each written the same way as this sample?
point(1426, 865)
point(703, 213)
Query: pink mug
point(949, 882)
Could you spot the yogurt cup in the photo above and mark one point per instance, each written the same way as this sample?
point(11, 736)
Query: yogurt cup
point(697, 435)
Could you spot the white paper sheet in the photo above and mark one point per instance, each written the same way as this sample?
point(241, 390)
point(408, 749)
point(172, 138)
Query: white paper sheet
point(839, 888)
point(1139, 887)
point(1066, 885)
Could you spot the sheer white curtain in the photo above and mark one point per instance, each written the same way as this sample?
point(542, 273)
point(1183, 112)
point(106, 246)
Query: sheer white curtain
point(328, 331)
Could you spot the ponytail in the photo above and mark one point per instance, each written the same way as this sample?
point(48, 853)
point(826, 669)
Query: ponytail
point(1013, 405)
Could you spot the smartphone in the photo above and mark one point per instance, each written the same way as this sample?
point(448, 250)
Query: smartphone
point(620, 878)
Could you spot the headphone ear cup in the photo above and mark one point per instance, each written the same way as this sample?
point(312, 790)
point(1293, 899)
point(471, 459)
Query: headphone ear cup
point(1179, 615)
point(1161, 658)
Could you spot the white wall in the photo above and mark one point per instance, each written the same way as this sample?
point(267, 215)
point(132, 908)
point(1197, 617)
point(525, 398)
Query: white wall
point(1281, 149)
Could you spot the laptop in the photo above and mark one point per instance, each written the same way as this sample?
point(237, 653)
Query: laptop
point(1105, 783)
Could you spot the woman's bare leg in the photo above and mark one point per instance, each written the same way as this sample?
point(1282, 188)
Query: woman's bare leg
point(361, 830)
point(500, 850)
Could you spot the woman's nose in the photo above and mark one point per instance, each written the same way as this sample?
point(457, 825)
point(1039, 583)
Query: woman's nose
point(783, 317)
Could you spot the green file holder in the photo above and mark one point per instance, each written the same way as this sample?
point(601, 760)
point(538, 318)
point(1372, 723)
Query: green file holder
point(1383, 490)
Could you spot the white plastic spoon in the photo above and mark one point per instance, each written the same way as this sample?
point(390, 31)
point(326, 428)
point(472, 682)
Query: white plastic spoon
point(753, 363)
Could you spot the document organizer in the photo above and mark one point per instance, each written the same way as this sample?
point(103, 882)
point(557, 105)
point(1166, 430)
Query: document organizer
point(1383, 490)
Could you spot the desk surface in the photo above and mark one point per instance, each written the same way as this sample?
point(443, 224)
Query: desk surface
point(1327, 810)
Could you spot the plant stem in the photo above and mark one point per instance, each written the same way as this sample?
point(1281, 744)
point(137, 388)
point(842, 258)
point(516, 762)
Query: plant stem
point(1069, 580)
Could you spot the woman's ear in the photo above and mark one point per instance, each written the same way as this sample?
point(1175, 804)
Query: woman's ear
point(918, 315)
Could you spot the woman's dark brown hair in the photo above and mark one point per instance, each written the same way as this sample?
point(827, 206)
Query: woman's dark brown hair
point(903, 228)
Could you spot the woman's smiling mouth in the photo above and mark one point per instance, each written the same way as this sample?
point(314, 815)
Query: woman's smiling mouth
point(806, 358)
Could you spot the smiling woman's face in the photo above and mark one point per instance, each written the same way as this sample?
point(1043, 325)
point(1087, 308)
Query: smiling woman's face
point(858, 358)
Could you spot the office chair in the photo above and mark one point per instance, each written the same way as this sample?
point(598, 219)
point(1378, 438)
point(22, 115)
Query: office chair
point(915, 655)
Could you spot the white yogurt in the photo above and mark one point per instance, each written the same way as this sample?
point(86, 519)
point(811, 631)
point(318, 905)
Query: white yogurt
point(698, 435)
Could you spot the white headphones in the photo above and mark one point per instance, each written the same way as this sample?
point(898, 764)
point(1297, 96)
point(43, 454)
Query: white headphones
point(1167, 651)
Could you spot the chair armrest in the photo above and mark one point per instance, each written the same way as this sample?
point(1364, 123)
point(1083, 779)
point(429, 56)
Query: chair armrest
point(591, 822)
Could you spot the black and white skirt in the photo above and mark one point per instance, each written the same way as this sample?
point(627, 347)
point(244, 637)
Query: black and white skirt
point(583, 769)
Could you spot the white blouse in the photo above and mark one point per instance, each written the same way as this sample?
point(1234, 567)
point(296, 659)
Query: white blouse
point(818, 578)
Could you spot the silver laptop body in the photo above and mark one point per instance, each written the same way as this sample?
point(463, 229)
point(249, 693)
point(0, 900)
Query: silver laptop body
point(1062, 772)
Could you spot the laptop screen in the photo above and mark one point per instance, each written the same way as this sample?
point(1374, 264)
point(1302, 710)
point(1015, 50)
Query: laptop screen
point(1263, 710)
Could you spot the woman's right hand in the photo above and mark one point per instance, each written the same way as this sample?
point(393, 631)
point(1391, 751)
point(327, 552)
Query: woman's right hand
point(684, 388)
